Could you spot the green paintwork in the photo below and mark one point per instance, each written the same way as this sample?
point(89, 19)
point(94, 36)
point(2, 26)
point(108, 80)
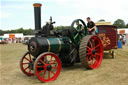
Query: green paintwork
point(56, 42)
point(63, 45)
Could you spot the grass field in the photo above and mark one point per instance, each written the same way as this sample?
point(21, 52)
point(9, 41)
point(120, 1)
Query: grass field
point(111, 71)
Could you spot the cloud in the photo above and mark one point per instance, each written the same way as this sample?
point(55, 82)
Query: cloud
point(4, 15)
point(9, 9)
point(98, 9)
point(63, 11)
point(25, 0)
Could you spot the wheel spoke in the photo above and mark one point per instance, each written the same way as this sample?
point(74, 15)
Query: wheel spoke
point(75, 29)
point(88, 53)
point(49, 74)
point(83, 34)
point(76, 36)
point(25, 63)
point(29, 70)
point(53, 62)
point(26, 68)
point(52, 72)
point(42, 62)
point(46, 59)
point(40, 71)
point(51, 59)
point(44, 73)
point(40, 66)
point(88, 48)
point(27, 59)
point(54, 67)
point(30, 57)
point(93, 42)
point(92, 61)
point(98, 54)
point(96, 46)
point(95, 63)
point(90, 58)
point(90, 44)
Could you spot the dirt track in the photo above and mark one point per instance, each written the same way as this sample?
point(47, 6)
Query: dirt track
point(111, 71)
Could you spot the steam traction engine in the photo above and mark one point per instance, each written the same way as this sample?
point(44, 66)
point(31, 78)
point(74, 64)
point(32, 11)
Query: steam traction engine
point(47, 51)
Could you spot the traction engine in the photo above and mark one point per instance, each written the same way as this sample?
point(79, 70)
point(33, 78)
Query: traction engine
point(51, 49)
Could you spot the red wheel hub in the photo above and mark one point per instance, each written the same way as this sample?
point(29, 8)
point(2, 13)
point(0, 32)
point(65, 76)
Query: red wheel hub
point(50, 66)
point(94, 52)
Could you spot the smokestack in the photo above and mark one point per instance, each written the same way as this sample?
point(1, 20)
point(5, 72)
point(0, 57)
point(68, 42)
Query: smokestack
point(37, 15)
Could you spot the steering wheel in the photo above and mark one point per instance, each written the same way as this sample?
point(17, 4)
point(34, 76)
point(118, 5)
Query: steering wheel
point(78, 31)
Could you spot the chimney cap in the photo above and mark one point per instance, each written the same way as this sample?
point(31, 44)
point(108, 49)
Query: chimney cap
point(37, 5)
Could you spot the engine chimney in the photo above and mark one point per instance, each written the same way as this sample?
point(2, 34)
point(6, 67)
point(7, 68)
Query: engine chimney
point(37, 15)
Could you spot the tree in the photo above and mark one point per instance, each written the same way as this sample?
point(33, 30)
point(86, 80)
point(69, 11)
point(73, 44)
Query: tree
point(28, 32)
point(101, 20)
point(119, 23)
point(1, 32)
point(20, 30)
point(61, 27)
point(126, 25)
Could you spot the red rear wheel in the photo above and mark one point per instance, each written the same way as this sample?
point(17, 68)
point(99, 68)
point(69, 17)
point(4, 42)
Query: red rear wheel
point(47, 67)
point(26, 64)
point(94, 52)
point(91, 52)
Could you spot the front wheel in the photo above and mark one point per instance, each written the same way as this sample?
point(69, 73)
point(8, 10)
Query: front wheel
point(26, 64)
point(47, 67)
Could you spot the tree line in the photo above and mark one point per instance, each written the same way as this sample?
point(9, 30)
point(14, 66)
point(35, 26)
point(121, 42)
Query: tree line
point(28, 31)
point(20, 30)
point(119, 23)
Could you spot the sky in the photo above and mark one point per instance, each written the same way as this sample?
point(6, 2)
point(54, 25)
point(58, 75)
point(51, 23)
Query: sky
point(15, 14)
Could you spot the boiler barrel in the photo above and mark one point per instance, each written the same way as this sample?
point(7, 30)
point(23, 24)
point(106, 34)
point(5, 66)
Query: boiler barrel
point(40, 44)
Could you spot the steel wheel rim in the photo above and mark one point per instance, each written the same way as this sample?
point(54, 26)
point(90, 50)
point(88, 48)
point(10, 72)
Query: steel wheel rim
point(47, 75)
point(26, 69)
point(94, 52)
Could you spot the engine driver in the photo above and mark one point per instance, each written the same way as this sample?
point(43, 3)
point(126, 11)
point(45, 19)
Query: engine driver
point(91, 26)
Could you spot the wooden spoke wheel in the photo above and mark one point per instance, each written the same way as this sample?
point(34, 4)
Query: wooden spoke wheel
point(26, 64)
point(91, 51)
point(47, 67)
point(78, 31)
